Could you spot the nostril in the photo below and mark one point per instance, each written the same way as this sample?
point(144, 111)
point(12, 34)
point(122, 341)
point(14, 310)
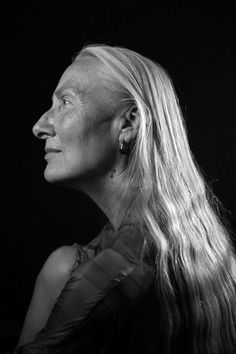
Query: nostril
point(44, 127)
point(38, 133)
point(42, 135)
point(42, 131)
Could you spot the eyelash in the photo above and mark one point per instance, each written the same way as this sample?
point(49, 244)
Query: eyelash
point(65, 100)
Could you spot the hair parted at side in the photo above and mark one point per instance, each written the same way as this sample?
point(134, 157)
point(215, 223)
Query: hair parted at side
point(195, 260)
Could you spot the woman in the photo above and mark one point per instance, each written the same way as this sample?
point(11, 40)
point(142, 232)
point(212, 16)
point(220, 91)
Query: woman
point(160, 276)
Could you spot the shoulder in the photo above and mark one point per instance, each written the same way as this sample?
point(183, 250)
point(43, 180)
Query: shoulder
point(132, 242)
point(58, 264)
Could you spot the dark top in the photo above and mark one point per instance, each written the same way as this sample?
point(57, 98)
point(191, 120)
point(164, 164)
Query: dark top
point(108, 305)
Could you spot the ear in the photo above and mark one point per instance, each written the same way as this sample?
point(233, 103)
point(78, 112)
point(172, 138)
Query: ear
point(130, 124)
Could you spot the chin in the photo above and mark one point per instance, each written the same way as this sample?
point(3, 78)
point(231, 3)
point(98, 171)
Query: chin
point(53, 175)
point(61, 178)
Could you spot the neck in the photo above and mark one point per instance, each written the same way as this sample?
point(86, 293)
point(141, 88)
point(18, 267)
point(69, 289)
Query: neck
point(106, 193)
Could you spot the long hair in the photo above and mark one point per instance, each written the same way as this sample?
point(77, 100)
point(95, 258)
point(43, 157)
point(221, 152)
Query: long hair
point(195, 262)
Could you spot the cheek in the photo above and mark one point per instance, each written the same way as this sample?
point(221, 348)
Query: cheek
point(100, 149)
point(87, 142)
point(70, 130)
point(90, 149)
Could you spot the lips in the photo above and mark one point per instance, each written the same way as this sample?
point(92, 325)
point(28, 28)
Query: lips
point(47, 150)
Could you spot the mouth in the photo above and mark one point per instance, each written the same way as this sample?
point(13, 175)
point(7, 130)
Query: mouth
point(48, 150)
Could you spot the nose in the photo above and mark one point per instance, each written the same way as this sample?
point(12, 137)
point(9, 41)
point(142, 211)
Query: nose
point(44, 127)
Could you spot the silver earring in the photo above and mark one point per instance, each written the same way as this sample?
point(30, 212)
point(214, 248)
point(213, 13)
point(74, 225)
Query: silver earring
point(124, 147)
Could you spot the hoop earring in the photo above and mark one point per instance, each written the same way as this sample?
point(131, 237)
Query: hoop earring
point(124, 147)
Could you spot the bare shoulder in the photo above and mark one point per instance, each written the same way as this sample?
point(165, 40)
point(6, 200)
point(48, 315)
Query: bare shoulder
point(56, 269)
point(48, 286)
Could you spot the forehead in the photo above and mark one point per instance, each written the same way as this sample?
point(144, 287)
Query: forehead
point(82, 76)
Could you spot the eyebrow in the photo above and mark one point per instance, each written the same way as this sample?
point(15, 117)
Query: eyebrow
point(59, 91)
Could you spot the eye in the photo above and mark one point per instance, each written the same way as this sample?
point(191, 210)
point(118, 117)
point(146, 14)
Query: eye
point(65, 100)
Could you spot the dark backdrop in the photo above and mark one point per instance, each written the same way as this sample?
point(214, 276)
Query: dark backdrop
point(193, 40)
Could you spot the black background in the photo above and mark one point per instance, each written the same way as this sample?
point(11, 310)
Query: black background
point(193, 40)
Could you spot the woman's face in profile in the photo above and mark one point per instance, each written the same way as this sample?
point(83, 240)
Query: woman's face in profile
point(79, 134)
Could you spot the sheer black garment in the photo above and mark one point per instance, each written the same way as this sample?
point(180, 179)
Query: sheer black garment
point(108, 305)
